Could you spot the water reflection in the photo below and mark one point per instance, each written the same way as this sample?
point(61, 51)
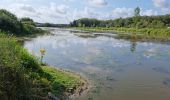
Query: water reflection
point(119, 69)
point(133, 46)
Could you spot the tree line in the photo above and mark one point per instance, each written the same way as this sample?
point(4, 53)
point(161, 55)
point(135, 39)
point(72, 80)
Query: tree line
point(137, 21)
point(130, 22)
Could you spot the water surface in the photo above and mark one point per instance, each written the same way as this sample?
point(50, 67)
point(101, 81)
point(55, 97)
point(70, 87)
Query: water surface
point(118, 69)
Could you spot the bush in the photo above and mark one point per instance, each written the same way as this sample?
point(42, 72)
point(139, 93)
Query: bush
point(29, 62)
point(10, 24)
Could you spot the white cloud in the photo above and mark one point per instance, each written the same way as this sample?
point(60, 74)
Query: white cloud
point(51, 13)
point(27, 8)
point(161, 3)
point(149, 12)
point(97, 3)
point(129, 12)
point(21, 10)
point(86, 13)
point(115, 13)
point(69, 0)
point(62, 9)
point(122, 12)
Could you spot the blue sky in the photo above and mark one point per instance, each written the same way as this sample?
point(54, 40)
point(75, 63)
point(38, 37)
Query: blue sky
point(64, 11)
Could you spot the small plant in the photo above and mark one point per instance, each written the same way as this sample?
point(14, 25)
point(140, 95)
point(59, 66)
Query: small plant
point(42, 52)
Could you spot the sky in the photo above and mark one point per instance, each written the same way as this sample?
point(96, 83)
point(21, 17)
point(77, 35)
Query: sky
point(65, 11)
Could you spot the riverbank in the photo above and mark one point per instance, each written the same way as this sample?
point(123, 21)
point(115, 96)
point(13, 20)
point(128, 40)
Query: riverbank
point(66, 84)
point(29, 80)
point(131, 33)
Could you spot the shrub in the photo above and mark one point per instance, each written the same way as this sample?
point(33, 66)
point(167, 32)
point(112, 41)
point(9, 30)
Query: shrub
point(10, 24)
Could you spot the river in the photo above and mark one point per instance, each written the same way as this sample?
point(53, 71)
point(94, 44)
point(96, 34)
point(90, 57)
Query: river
point(118, 69)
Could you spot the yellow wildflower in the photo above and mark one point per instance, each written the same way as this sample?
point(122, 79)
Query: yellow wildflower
point(42, 51)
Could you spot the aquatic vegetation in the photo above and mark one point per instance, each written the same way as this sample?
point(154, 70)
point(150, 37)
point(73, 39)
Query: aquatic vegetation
point(162, 70)
point(109, 78)
point(166, 82)
point(133, 33)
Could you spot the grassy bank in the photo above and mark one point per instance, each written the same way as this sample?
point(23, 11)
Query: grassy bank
point(65, 83)
point(143, 33)
point(22, 77)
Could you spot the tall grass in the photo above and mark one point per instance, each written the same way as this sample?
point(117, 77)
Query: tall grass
point(19, 72)
point(13, 83)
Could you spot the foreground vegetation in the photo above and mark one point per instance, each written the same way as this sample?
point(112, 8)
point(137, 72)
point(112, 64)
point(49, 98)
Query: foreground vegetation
point(22, 77)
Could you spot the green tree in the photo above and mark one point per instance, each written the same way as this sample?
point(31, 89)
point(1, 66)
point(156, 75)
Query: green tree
point(137, 11)
point(10, 24)
point(28, 21)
